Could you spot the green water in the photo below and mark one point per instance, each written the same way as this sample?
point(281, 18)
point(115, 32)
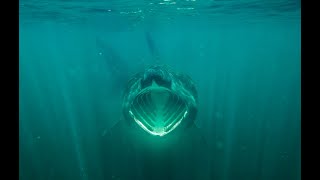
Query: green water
point(246, 66)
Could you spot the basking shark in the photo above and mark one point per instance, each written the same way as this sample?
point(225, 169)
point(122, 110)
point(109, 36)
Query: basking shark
point(156, 138)
point(160, 99)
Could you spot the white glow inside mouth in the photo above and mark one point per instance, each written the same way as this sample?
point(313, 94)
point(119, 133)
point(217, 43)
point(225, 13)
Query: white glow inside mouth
point(160, 131)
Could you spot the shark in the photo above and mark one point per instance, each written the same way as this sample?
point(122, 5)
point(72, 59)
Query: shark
point(155, 137)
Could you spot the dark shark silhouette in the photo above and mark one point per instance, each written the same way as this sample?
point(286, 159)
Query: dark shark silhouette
point(128, 153)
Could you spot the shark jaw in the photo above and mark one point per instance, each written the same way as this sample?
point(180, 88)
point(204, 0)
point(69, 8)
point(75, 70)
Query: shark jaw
point(158, 110)
point(159, 130)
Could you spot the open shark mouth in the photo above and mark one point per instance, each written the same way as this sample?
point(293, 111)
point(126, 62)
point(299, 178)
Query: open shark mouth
point(158, 110)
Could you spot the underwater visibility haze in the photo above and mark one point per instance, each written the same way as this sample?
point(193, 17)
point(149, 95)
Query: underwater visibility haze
point(95, 102)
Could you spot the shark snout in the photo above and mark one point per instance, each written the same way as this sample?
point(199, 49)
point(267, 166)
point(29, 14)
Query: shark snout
point(158, 75)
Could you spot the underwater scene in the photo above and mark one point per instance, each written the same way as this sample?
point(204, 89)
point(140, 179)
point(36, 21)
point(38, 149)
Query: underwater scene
point(159, 89)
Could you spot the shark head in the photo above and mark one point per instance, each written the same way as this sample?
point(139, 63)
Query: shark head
point(159, 100)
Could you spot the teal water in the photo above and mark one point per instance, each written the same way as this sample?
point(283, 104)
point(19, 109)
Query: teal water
point(244, 57)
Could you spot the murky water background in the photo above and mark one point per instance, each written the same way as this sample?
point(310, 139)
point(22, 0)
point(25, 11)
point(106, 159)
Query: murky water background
point(243, 55)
